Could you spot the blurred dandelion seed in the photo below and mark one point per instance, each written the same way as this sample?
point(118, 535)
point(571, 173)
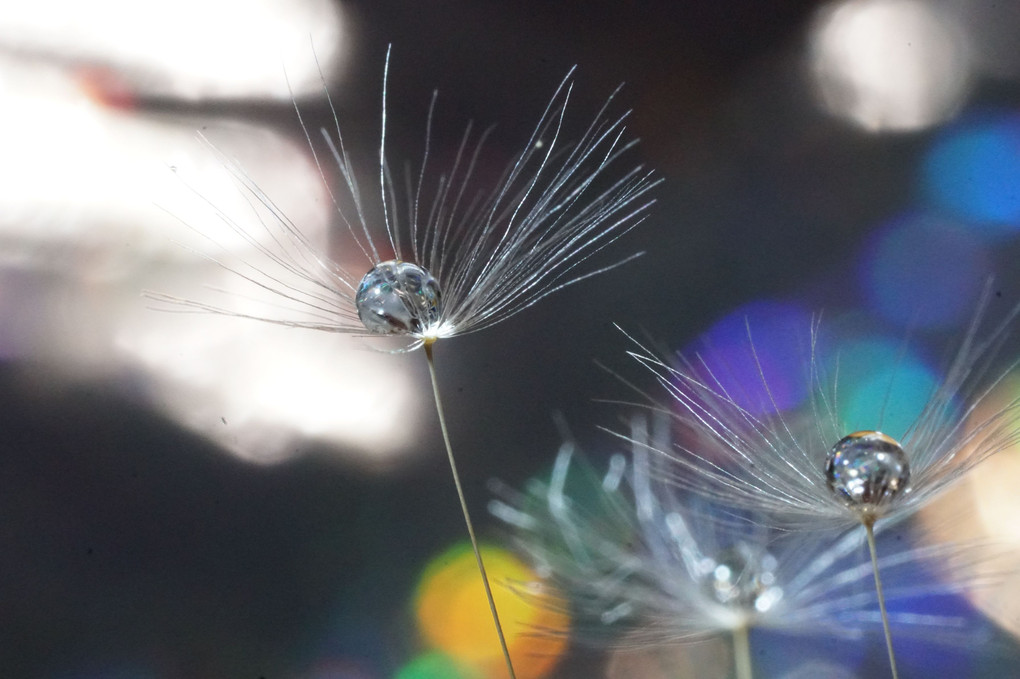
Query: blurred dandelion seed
point(786, 466)
point(461, 259)
point(643, 564)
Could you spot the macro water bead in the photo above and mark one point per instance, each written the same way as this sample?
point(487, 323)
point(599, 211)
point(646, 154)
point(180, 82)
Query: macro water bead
point(743, 576)
point(398, 298)
point(867, 469)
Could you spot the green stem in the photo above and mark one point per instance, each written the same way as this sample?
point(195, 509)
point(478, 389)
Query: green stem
point(464, 509)
point(742, 652)
point(869, 527)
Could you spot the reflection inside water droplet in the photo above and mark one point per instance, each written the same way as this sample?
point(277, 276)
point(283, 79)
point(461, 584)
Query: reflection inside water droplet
point(867, 469)
point(398, 298)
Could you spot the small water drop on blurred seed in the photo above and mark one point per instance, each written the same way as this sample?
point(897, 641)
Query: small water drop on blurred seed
point(398, 298)
point(740, 576)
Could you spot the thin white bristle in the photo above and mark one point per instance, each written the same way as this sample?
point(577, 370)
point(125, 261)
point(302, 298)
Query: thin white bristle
point(495, 249)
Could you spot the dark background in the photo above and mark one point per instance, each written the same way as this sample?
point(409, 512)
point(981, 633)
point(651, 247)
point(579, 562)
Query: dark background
point(131, 548)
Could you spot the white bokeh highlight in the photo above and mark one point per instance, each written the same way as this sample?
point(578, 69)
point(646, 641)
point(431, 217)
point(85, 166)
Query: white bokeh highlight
point(104, 198)
point(189, 49)
point(889, 65)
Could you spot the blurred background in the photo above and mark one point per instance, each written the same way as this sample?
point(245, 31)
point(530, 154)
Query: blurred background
point(200, 496)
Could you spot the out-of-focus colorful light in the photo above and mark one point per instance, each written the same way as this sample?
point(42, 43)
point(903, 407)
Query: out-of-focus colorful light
point(881, 385)
point(923, 271)
point(973, 170)
point(984, 507)
point(757, 355)
point(1000, 475)
point(435, 665)
point(889, 65)
point(453, 614)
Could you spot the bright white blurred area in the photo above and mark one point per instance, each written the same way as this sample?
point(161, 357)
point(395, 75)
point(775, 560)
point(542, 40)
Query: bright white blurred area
point(92, 191)
point(889, 65)
point(190, 49)
point(259, 390)
point(103, 199)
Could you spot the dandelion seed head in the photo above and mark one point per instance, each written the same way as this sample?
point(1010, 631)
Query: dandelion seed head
point(643, 563)
point(497, 247)
point(399, 298)
point(780, 462)
point(867, 470)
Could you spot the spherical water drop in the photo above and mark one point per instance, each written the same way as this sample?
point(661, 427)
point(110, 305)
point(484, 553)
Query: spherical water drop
point(867, 469)
point(741, 575)
point(398, 298)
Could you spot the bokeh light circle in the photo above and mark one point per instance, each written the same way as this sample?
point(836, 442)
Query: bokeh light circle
point(881, 386)
point(973, 172)
point(453, 613)
point(889, 65)
point(984, 508)
point(752, 355)
point(922, 271)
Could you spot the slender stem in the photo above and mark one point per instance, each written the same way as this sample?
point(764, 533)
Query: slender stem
point(464, 509)
point(869, 527)
point(742, 652)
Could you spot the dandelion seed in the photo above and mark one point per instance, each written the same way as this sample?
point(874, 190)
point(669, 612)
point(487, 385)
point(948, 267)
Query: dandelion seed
point(806, 469)
point(645, 564)
point(490, 251)
point(786, 465)
point(461, 258)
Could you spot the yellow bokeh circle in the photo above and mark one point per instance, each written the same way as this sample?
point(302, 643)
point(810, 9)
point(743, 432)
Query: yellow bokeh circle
point(453, 613)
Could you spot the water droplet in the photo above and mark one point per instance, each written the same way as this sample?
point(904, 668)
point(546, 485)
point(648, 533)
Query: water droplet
point(398, 298)
point(740, 576)
point(867, 469)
